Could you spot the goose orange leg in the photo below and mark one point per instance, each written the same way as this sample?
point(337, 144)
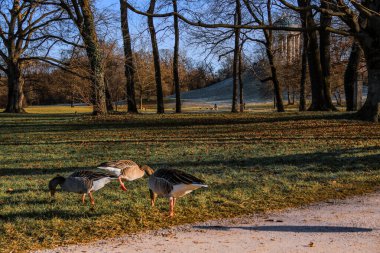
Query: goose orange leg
point(153, 197)
point(92, 199)
point(171, 207)
point(83, 198)
point(122, 186)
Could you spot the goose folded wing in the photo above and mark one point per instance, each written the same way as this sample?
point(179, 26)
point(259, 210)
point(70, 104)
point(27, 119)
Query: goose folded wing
point(177, 177)
point(91, 175)
point(121, 164)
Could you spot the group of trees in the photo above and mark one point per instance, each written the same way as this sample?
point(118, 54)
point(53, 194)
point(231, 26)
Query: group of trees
point(31, 29)
point(46, 84)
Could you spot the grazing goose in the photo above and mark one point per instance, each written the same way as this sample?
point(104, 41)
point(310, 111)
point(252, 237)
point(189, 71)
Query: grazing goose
point(83, 182)
point(172, 184)
point(124, 169)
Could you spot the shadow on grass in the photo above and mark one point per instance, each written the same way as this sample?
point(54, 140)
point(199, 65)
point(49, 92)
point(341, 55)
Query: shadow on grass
point(155, 123)
point(40, 171)
point(317, 162)
point(320, 161)
point(296, 229)
point(50, 214)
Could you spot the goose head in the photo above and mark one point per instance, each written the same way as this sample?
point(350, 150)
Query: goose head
point(59, 180)
point(148, 170)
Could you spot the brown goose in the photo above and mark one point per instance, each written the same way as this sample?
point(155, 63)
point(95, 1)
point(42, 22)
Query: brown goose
point(83, 182)
point(172, 184)
point(124, 169)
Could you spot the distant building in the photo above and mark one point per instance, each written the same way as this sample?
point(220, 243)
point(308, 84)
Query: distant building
point(287, 44)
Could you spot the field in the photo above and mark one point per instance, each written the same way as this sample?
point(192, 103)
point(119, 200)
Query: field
point(252, 162)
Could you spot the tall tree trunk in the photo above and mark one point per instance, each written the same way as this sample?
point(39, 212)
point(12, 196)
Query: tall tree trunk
point(235, 70)
point(241, 84)
point(324, 42)
point(15, 89)
point(302, 106)
point(156, 59)
point(276, 83)
point(351, 75)
point(94, 54)
point(108, 97)
point(129, 69)
point(318, 99)
point(370, 110)
point(178, 108)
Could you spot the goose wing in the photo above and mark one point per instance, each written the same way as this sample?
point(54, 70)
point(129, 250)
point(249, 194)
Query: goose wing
point(118, 167)
point(85, 181)
point(177, 177)
point(167, 182)
point(91, 175)
point(120, 164)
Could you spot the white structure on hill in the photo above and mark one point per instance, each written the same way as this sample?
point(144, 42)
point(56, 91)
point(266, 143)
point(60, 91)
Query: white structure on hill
point(287, 44)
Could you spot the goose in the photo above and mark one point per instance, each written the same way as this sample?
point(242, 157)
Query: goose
point(124, 169)
point(83, 182)
point(172, 184)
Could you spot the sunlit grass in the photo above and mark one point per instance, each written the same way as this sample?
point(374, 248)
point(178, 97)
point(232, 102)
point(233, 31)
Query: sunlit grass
point(151, 108)
point(252, 162)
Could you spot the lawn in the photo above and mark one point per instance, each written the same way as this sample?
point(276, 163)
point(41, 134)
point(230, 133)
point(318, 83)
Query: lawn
point(252, 162)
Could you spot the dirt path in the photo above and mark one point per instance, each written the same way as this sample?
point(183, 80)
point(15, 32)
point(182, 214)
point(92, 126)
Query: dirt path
point(351, 225)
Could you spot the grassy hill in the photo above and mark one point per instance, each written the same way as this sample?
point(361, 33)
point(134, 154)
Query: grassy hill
point(221, 93)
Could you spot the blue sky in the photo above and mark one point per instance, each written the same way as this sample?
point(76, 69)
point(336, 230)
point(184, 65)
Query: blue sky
point(137, 24)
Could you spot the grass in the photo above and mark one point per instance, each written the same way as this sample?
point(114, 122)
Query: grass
point(252, 162)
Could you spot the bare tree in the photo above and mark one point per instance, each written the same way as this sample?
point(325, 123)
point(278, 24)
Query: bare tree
point(175, 61)
point(241, 84)
point(302, 105)
point(81, 13)
point(367, 31)
point(351, 75)
point(259, 17)
point(235, 66)
point(319, 101)
point(128, 55)
point(324, 42)
point(156, 59)
point(20, 25)
point(362, 19)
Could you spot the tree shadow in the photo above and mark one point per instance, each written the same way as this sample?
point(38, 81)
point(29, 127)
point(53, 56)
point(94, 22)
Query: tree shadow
point(39, 171)
point(290, 228)
point(321, 161)
point(140, 123)
point(50, 214)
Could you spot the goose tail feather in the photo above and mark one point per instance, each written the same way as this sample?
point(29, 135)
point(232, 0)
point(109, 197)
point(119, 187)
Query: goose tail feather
point(201, 185)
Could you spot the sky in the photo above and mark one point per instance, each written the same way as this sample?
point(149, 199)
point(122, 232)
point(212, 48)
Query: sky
point(137, 24)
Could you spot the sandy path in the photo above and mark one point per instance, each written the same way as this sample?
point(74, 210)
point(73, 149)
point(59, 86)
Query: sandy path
point(351, 225)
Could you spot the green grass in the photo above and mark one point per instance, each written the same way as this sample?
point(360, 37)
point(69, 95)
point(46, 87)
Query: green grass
point(252, 162)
